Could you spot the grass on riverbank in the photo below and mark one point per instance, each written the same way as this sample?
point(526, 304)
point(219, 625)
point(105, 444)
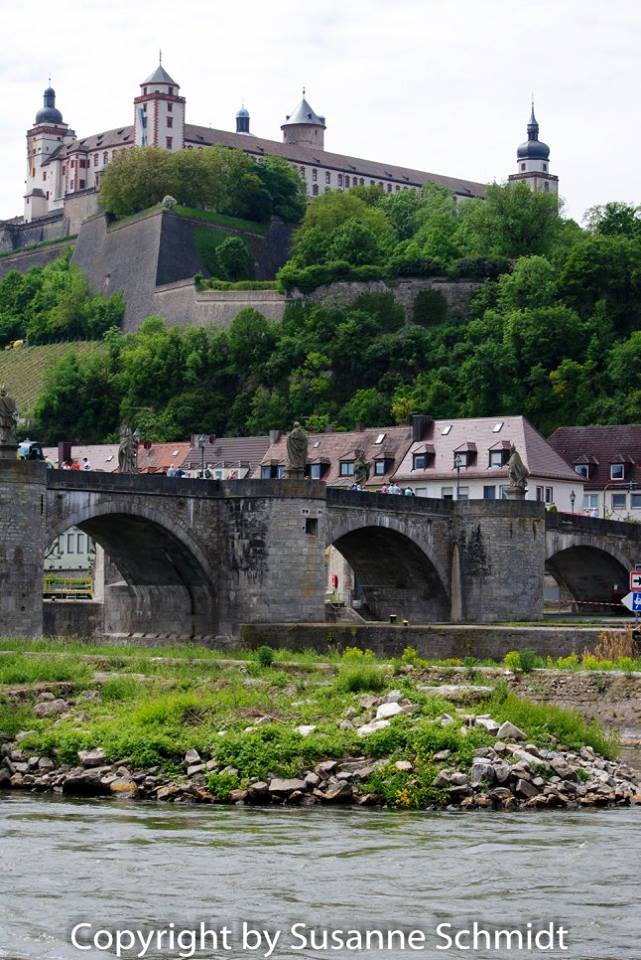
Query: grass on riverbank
point(149, 708)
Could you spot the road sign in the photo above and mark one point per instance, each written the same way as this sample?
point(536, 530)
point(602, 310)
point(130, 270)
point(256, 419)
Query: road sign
point(635, 580)
point(632, 601)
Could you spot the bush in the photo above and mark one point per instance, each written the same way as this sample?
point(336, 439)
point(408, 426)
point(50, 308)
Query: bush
point(615, 644)
point(222, 784)
point(479, 268)
point(525, 660)
point(234, 260)
point(430, 307)
point(265, 656)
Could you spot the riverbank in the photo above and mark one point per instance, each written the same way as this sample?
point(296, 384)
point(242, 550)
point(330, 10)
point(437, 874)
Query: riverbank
point(187, 725)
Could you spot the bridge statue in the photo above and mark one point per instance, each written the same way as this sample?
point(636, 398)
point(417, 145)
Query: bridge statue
point(8, 420)
point(517, 474)
point(296, 452)
point(128, 450)
point(361, 468)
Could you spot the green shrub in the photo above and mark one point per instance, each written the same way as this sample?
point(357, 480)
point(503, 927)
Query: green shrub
point(360, 678)
point(430, 307)
point(222, 784)
point(265, 656)
point(529, 660)
point(234, 260)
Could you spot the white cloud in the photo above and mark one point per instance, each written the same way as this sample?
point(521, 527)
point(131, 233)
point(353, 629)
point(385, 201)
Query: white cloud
point(432, 84)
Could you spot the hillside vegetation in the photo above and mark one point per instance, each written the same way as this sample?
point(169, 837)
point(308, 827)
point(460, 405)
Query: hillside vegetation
point(554, 333)
point(24, 371)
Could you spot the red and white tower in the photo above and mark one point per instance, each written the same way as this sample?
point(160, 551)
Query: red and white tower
point(159, 112)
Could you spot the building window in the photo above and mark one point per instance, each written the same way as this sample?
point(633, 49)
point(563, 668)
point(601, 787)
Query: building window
point(302, 171)
point(361, 182)
point(314, 174)
point(272, 471)
point(340, 179)
point(463, 493)
point(582, 469)
point(346, 468)
point(545, 167)
point(545, 494)
point(170, 107)
point(617, 471)
point(503, 492)
point(144, 90)
point(317, 471)
point(44, 175)
point(346, 180)
point(311, 526)
point(315, 190)
point(170, 121)
point(489, 492)
point(522, 166)
point(328, 177)
point(547, 187)
point(590, 501)
point(498, 458)
point(447, 493)
point(105, 156)
point(70, 543)
point(95, 159)
point(421, 461)
point(379, 468)
point(171, 91)
point(372, 183)
point(618, 501)
point(169, 142)
point(635, 501)
point(82, 184)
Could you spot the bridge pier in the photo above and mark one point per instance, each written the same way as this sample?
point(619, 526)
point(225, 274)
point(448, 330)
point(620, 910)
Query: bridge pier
point(22, 547)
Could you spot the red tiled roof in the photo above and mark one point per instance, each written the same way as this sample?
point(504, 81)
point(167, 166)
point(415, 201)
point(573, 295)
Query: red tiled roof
point(480, 434)
point(334, 447)
point(229, 452)
point(600, 447)
point(160, 456)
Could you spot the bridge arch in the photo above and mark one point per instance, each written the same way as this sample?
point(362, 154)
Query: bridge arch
point(166, 587)
point(394, 573)
point(591, 574)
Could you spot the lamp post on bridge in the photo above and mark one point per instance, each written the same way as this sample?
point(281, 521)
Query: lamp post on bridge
point(202, 441)
point(572, 499)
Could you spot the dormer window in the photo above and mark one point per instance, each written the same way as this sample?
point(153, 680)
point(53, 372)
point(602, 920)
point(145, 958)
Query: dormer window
point(346, 468)
point(317, 470)
point(498, 458)
point(465, 456)
point(617, 471)
point(383, 466)
point(582, 469)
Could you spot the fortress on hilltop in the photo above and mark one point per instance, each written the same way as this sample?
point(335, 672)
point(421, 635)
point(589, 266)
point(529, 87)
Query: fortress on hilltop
point(62, 167)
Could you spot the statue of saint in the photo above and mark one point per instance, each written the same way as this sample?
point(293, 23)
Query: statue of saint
point(517, 471)
point(361, 467)
point(296, 451)
point(128, 450)
point(8, 417)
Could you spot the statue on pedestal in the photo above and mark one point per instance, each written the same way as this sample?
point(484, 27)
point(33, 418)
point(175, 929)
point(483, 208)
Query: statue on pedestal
point(361, 468)
point(8, 420)
point(128, 449)
point(517, 474)
point(296, 452)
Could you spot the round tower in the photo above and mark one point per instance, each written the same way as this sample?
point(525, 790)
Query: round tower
point(533, 161)
point(242, 120)
point(304, 126)
point(159, 119)
point(43, 184)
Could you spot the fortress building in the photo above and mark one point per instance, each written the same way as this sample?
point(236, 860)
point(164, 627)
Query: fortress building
point(63, 172)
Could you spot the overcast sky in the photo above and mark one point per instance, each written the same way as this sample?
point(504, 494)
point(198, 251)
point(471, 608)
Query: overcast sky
point(438, 85)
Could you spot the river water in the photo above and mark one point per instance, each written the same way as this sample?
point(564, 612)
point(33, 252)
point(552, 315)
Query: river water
point(120, 865)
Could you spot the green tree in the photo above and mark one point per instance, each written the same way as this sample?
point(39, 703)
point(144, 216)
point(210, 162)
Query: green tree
point(615, 219)
point(513, 221)
point(234, 260)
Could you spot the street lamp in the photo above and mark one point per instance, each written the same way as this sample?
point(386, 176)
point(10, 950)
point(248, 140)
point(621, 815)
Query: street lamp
point(202, 440)
point(458, 463)
point(572, 499)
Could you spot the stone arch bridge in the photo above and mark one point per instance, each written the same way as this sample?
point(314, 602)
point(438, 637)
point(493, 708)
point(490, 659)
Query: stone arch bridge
point(200, 558)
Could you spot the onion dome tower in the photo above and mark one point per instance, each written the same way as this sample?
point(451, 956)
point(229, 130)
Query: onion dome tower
point(533, 161)
point(242, 120)
point(47, 134)
point(304, 126)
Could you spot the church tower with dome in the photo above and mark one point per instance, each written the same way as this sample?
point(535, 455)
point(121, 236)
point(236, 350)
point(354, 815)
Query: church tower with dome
point(48, 133)
point(533, 161)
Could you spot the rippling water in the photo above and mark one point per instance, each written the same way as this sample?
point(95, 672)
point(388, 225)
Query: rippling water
point(142, 865)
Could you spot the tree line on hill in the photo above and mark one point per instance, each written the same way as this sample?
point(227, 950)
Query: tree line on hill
point(557, 338)
point(554, 333)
